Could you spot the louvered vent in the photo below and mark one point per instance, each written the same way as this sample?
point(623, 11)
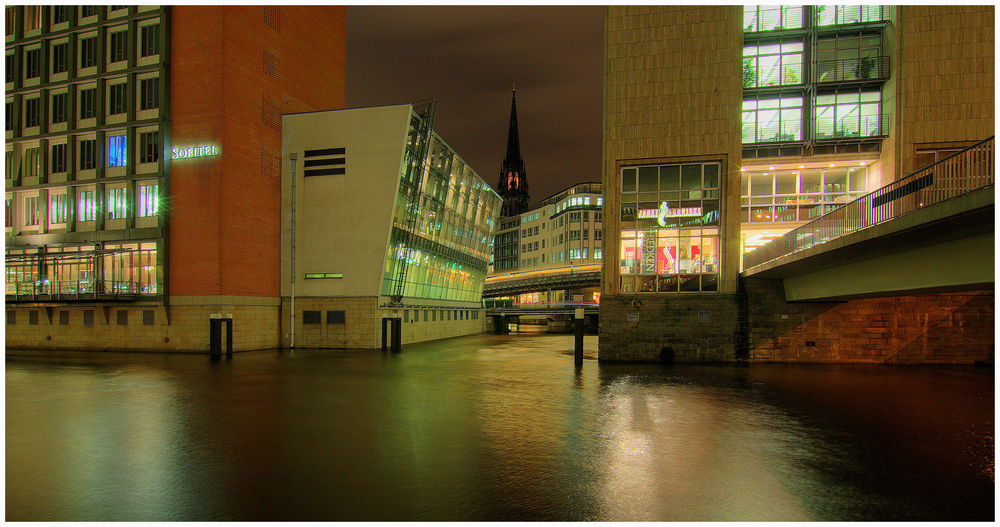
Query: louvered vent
point(325, 162)
point(271, 112)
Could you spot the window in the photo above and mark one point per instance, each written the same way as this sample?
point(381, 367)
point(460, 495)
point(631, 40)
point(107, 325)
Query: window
point(584, 253)
point(117, 151)
point(88, 103)
point(146, 200)
point(117, 99)
point(59, 108)
point(32, 61)
point(9, 15)
point(88, 154)
point(598, 215)
point(9, 72)
point(88, 317)
point(118, 46)
point(671, 244)
point(574, 254)
point(9, 123)
point(32, 17)
point(57, 208)
point(560, 238)
point(149, 41)
point(848, 115)
point(149, 94)
point(849, 58)
point(57, 158)
point(30, 112)
point(116, 206)
point(312, 317)
point(117, 7)
point(339, 317)
point(88, 10)
point(574, 236)
point(149, 147)
point(772, 120)
point(562, 256)
point(88, 52)
point(31, 217)
point(598, 254)
point(771, 17)
point(773, 65)
point(86, 205)
point(598, 235)
point(9, 212)
point(585, 237)
point(60, 14)
point(12, 169)
point(122, 317)
point(31, 161)
point(848, 14)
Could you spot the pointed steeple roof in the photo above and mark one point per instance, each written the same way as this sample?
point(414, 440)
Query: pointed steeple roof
point(513, 140)
point(513, 184)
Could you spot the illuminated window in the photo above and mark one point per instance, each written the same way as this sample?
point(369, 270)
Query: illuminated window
point(147, 201)
point(116, 206)
point(772, 64)
point(31, 216)
point(849, 115)
point(771, 17)
point(117, 151)
point(57, 208)
point(31, 161)
point(598, 254)
point(849, 14)
point(86, 205)
point(772, 120)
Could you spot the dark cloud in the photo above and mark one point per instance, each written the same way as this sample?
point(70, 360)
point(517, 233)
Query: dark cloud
point(468, 58)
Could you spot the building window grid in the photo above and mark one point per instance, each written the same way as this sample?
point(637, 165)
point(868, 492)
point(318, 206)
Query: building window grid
point(855, 114)
point(778, 64)
point(772, 120)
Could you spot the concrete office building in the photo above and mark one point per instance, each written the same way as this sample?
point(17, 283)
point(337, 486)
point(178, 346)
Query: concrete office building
point(381, 220)
point(143, 167)
point(767, 116)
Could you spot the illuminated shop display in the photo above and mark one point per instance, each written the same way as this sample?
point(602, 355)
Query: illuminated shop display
point(670, 228)
point(442, 225)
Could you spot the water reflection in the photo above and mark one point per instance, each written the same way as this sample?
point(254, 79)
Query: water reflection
point(490, 428)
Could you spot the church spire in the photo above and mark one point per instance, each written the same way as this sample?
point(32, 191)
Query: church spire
point(513, 185)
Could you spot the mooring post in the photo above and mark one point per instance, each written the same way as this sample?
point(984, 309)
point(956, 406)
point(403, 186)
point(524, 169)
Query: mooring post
point(578, 351)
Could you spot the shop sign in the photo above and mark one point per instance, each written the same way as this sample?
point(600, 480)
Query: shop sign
point(649, 252)
point(194, 151)
point(666, 212)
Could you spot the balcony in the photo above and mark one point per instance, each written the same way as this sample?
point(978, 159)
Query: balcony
point(864, 70)
point(67, 291)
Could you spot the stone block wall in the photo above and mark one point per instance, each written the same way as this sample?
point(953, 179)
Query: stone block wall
point(942, 328)
point(699, 327)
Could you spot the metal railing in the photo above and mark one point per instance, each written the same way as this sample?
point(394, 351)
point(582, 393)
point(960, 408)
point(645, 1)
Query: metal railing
point(963, 172)
point(68, 289)
point(850, 70)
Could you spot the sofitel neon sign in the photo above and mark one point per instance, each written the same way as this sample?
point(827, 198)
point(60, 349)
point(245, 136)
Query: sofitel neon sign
point(194, 151)
point(666, 212)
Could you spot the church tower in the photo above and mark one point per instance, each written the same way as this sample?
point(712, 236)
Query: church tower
point(513, 185)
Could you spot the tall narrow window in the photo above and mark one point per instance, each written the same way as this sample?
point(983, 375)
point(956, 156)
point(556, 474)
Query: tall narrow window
point(32, 60)
point(57, 159)
point(149, 94)
point(60, 14)
point(59, 56)
point(12, 168)
point(30, 113)
point(59, 108)
point(88, 10)
point(149, 147)
point(117, 103)
point(118, 46)
point(9, 12)
point(9, 73)
point(117, 151)
point(147, 200)
point(88, 103)
point(31, 161)
point(9, 216)
point(9, 123)
point(150, 41)
point(32, 17)
point(88, 52)
point(86, 205)
point(57, 208)
point(31, 217)
point(116, 206)
point(88, 154)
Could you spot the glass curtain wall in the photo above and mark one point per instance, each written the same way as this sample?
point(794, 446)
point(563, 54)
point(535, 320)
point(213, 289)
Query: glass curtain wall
point(799, 195)
point(128, 268)
point(442, 223)
point(670, 228)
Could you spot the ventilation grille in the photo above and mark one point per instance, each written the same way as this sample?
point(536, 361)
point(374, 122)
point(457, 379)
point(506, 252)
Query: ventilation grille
point(272, 64)
point(271, 115)
point(272, 17)
point(325, 162)
point(270, 162)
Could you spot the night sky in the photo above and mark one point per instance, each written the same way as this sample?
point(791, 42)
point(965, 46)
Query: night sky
point(468, 58)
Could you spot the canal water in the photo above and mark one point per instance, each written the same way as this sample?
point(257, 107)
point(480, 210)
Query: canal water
point(490, 427)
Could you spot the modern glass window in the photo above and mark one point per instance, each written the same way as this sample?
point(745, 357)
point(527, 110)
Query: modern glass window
point(57, 208)
point(799, 194)
point(771, 17)
point(118, 47)
point(88, 103)
point(848, 115)
point(670, 228)
point(31, 216)
point(770, 120)
point(88, 52)
point(848, 58)
point(57, 158)
point(32, 63)
point(117, 151)
point(149, 94)
point(147, 200)
point(59, 57)
point(31, 161)
point(115, 205)
point(88, 154)
point(149, 147)
point(58, 108)
point(86, 205)
point(829, 15)
point(773, 64)
point(118, 96)
point(149, 44)
point(31, 108)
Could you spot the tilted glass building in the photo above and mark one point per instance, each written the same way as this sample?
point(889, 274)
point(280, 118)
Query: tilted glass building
point(382, 220)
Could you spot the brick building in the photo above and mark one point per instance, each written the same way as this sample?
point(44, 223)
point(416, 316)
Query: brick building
point(143, 167)
point(744, 122)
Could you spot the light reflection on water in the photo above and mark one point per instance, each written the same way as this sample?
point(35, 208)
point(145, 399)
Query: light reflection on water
point(490, 428)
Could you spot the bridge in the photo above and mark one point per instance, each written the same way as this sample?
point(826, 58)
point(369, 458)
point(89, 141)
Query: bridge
point(531, 281)
point(559, 314)
point(930, 231)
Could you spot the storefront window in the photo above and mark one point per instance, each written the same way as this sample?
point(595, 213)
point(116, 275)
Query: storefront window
point(799, 194)
point(670, 228)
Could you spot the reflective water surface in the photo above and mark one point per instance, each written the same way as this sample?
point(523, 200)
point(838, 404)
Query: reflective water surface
point(490, 427)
